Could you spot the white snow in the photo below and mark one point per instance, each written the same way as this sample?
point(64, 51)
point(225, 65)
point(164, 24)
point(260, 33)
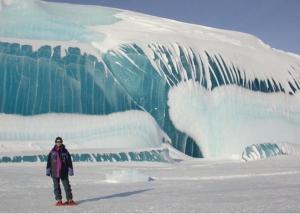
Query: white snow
point(290, 149)
point(36, 44)
point(241, 50)
point(126, 176)
point(226, 186)
point(223, 122)
point(130, 129)
point(5, 3)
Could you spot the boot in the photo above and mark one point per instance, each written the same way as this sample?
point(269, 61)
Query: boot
point(59, 203)
point(70, 202)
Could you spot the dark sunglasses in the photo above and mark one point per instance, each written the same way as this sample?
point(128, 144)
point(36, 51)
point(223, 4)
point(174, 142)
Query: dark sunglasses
point(58, 141)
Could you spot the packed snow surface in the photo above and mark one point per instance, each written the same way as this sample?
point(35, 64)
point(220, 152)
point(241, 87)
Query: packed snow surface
point(270, 185)
point(126, 176)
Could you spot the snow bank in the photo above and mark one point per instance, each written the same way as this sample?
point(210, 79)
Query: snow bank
point(127, 176)
point(171, 154)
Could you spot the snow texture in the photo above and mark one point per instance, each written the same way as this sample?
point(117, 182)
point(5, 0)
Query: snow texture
point(126, 176)
point(126, 130)
point(264, 186)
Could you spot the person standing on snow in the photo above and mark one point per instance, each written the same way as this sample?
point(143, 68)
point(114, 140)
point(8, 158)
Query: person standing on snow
point(59, 167)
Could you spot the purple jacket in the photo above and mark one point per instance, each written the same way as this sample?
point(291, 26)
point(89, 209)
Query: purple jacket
point(59, 164)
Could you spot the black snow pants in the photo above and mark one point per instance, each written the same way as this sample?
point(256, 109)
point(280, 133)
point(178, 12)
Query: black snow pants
point(67, 187)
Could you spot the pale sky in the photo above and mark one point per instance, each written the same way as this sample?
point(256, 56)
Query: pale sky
point(276, 22)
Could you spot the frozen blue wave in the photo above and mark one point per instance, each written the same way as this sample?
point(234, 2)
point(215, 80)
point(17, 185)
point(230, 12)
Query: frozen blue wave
point(261, 151)
point(267, 150)
point(43, 81)
point(158, 155)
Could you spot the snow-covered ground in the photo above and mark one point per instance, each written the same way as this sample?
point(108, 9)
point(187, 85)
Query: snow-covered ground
point(192, 185)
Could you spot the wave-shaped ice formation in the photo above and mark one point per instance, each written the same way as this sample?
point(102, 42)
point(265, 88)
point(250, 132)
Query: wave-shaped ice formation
point(266, 150)
point(224, 121)
point(110, 155)
point(100, 67)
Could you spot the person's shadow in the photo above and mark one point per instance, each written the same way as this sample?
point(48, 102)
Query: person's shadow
point(123, 194)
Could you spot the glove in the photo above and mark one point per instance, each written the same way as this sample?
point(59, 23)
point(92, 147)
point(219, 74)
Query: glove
point(70, 172)
point(48, 173)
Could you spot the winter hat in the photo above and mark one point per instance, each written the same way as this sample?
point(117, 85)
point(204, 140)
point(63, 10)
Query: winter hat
point(58, 139)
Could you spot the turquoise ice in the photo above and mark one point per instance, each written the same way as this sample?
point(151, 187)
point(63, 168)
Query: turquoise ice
point(36, 20)
point(143, 76)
